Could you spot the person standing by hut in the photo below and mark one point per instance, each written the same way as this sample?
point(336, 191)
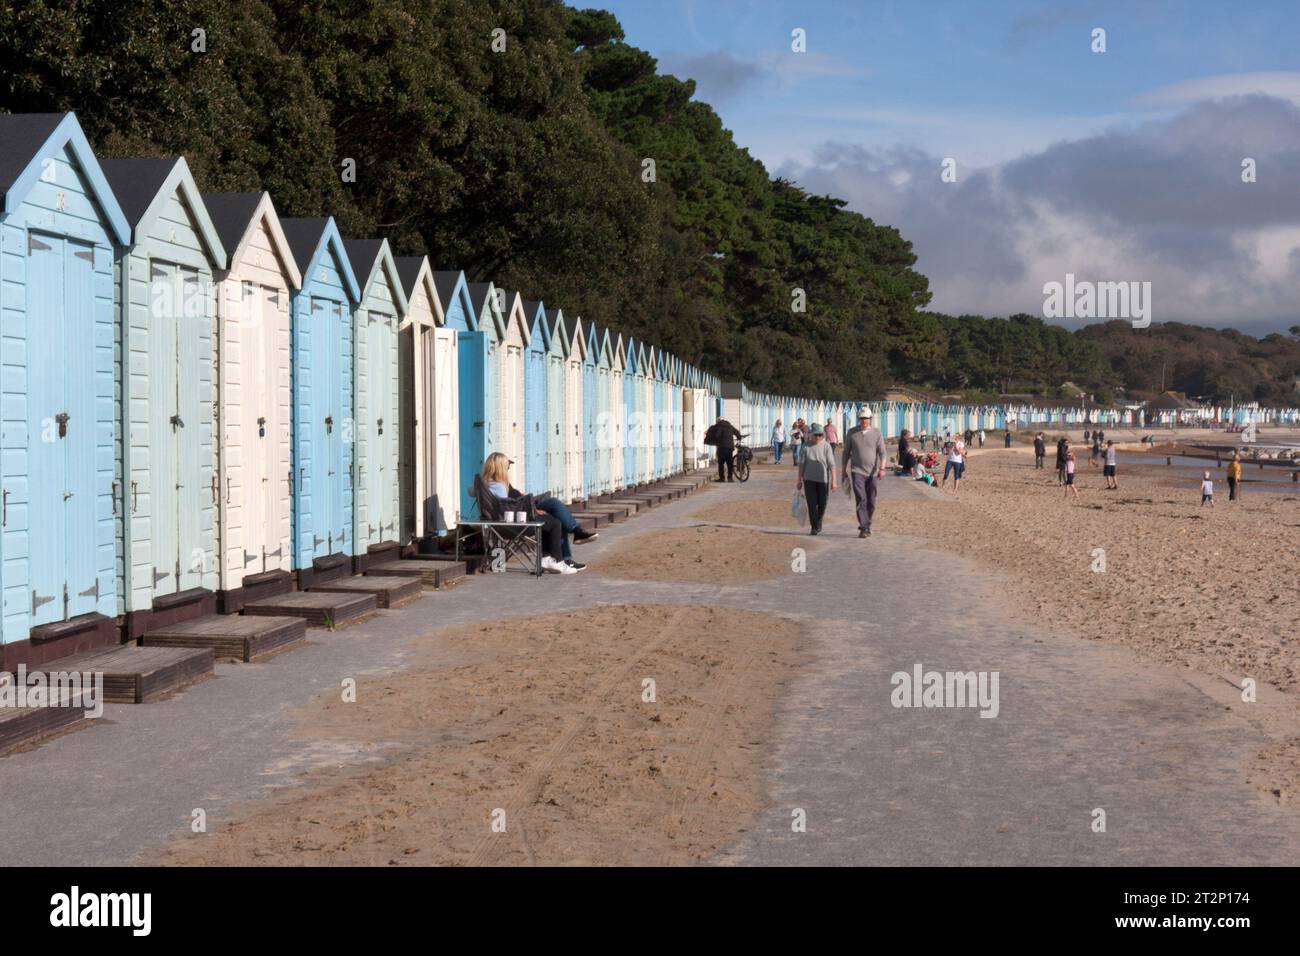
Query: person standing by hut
point(1040, 450)
point(817, 477)
point(863, 466)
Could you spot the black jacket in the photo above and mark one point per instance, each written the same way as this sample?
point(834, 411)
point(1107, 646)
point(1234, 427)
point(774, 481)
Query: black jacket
point(722, 434)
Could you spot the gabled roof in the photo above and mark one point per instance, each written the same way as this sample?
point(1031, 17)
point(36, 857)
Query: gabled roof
point(234, 215)
point(136, 183)
point(515, 310)
point(143, 186)
point(373, 258)
point(414, 271)
point(482, 296)
point(309, 238)
point(557, 329)
point(535, 313)
point(28, 139)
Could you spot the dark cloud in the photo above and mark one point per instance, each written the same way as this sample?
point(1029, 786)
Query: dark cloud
point(718, 75)
point(1162, 201)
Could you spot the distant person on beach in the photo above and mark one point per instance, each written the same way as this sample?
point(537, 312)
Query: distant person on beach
point(1234, 475)
point(832, 435)
point(1006, 439)
point(778, 441)
point(1062, 451)
point(1108, 469)
point(1096, 450)
point(981, 437)
point(1040, 450)
point(1086, 434)
point(817, 477)
point(1207, 490)
point(955, 465)
point(863, 466)
point(796, 440)
point(1069, 475)
point(907, 459)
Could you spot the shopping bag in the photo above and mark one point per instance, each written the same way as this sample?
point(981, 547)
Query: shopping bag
point(799, 508)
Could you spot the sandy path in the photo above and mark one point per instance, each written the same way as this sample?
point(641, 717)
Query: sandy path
point(1213, 590)
point(543, 723)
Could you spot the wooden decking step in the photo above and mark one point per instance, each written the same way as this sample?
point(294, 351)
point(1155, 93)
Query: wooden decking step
point(389, 591)
point(431, 573)
point(21, 726)
point(317, 608)
point(612, 511)
point(139, 675)
point(597, 519)
point(231, 636)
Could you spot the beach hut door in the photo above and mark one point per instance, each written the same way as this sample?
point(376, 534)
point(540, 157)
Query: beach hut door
point(175, 310)
point(62, 480)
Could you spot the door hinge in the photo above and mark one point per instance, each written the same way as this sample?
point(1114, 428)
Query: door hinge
point(316, 542)
point(92, 591)
point(159, 575)
point(34, 244)
point(88, 256)
point(249, 558)
point(38, 600)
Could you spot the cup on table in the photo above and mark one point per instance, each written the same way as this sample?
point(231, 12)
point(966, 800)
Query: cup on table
point(521, 516)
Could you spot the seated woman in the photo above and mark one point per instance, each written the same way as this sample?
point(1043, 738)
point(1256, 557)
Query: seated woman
point(496, 475)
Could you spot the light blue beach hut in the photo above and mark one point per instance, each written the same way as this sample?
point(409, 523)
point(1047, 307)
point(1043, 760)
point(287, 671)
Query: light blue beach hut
point(323, 404)
point(59, 468)
point(459, 315)
point(557, 418)
point(165, 296)
point(536, 407)
point(382, 307)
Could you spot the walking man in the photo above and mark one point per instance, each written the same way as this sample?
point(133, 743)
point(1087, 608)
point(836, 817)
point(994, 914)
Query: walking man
point(863, 466)
point(722, 435)
point(1040, 450)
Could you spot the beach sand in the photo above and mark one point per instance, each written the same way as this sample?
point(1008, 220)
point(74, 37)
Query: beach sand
point(544, 719)
point(704, 554)
point(1213, 590)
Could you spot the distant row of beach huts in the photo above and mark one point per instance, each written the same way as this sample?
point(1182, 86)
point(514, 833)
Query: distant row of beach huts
point(200, 398)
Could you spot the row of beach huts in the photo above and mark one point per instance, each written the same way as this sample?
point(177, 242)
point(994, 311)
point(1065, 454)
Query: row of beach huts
point(207, 409)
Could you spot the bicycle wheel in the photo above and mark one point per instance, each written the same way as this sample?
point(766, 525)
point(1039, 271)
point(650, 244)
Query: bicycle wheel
point(742, 469)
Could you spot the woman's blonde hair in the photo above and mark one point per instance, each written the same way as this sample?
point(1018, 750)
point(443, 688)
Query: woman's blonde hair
point(497, 468)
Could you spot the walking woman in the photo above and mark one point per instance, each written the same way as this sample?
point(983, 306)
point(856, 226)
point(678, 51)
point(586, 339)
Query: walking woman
point(796, 440)
point(817, 477)
point(778, 440)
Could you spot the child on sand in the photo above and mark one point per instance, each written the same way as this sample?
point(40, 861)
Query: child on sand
point(1207, 490)
point(1069, 475)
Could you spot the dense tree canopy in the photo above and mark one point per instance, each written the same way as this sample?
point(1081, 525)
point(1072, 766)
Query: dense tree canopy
point(528, 165)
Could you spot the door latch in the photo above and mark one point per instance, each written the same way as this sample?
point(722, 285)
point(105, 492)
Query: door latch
point(329, 424)
point(62, 420)
point(176, 422)
point(381, 426)
point(261, 428)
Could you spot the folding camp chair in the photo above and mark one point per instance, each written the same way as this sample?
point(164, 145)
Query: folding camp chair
point(504, 543)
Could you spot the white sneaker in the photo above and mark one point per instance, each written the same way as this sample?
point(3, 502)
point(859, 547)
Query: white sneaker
point(550, 564)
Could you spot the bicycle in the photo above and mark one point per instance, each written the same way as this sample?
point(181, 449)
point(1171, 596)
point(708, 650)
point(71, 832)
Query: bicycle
point(743, 455)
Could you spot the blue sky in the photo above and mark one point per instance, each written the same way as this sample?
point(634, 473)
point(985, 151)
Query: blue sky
point(1013, 92)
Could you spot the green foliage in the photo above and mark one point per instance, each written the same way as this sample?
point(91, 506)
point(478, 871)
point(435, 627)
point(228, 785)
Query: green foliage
point(525, 166)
